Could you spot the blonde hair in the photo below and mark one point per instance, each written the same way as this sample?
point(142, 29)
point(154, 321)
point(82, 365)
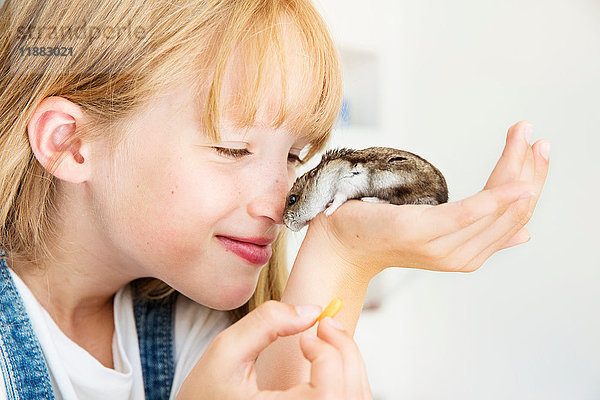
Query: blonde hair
point(114, 69)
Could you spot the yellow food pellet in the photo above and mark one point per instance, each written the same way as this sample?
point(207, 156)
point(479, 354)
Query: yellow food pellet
point(332, 309)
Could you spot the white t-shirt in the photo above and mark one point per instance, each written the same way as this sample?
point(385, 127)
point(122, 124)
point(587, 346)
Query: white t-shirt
point(75, 374)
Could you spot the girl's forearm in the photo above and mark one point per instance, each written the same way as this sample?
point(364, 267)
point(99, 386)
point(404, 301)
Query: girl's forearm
point(318, 275)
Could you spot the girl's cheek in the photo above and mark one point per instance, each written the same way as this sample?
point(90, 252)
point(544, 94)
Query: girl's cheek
point(178, 210)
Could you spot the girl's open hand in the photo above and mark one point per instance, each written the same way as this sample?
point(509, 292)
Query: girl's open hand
point(455, 236)
point(226, 369)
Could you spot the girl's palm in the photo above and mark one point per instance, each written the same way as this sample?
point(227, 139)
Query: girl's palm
point(455, 236)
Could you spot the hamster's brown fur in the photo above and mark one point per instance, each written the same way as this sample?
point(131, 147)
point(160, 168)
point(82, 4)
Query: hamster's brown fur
point(384, 173)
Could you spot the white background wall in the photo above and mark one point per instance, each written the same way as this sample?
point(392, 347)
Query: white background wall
point(454, 76)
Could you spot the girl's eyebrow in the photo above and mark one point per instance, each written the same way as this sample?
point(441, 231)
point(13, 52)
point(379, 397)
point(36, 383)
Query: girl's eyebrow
point(302, 139)
point(232, 142)
point(226, 142)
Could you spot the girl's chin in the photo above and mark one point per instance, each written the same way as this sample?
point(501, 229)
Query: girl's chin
point(229, 303)
point(231, 298)
point(227, 294)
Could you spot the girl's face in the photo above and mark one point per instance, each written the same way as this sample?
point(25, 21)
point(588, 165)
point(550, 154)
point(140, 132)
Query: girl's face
point(165, 199)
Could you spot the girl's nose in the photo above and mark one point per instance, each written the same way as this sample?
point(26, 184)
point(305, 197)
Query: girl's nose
point(271, 191)
point(270, 194)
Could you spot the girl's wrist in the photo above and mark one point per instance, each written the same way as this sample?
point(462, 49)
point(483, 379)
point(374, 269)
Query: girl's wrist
point(320, 273)
point(321, 241)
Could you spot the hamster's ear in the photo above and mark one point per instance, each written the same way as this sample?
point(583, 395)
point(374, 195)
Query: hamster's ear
point(396, 159)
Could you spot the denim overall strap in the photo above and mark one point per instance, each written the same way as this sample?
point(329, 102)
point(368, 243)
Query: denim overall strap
point(22, 362)
point(155, 323)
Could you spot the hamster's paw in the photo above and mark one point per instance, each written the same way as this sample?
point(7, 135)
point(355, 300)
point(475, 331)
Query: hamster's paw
point(339, 199)
point(373, 200)
point(331, 209)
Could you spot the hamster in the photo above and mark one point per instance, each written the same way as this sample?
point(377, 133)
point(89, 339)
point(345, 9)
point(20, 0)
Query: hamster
point(374, 174)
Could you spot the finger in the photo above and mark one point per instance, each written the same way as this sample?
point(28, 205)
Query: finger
point(326, 373)
point(355, 374)
point(352, 348)
point(479, 248)
point(541, 172)
point(477, 261)
point(517, 216)
point(521, 207)
point(541, 165)
point(536, 171)
point(452, 218)
point(508, 168)
point(302, 391)
point(327, 368)
point(527, 172)
point(473, 253)
point(261, 327)
point(459, 247)
point(528, 175)
point(520, 237)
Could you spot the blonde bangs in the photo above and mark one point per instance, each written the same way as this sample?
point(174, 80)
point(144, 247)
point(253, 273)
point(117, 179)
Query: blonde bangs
point(255, 44)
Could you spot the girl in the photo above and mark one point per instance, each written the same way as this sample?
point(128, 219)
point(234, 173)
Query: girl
point(146, 156)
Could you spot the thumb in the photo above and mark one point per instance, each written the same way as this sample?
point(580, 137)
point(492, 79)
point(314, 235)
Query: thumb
point(261, 327)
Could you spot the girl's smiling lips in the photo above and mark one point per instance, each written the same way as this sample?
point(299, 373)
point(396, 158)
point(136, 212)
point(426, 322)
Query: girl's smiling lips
point(251, 252)
point(256, 240)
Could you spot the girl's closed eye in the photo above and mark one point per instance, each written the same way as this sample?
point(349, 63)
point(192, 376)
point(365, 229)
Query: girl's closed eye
point(238, 153)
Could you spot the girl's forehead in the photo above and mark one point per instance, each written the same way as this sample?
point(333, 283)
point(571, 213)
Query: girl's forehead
point(276, 88)
point(232, 132)
point(277, 79)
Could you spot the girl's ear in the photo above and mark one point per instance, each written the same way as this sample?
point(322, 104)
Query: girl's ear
point(53, 122)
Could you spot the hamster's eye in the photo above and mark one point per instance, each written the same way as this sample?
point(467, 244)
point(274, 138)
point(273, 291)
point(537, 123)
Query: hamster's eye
point(397, 159)
point(292, 199)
